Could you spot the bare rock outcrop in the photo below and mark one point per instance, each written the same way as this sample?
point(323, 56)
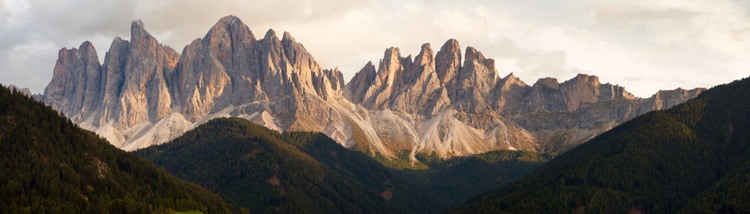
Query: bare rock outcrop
point(506, 111)
point(444, 103)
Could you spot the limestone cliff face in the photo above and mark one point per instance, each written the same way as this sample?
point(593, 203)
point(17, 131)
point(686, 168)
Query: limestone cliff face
point(75, 84)
point(667, 98)
point(400, 83)
point(482, 107)
point(444, 102)
point(145, 93)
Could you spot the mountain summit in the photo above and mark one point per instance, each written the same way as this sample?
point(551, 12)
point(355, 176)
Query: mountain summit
point(145, 93)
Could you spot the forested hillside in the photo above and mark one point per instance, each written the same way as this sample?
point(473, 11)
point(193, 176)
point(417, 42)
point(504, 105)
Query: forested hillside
point(691, 158)
point(50, 165)
point(254, 167)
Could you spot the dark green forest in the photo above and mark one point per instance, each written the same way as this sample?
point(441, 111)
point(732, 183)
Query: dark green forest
point(257, 168)
point(262, 170)
point(691, 158)
point(461, 178)
point(50, 165)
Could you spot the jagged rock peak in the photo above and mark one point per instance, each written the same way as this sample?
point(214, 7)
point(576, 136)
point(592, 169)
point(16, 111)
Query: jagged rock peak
point(425, 55)
point(87, 53)
point(117, 39)
point(226, 22)
point(369, 65)
point(335, 76)
point(511, 77)
point(585, 78)
point(391, 61)
point(425, 48)
point(391, 53)
point(288, 37)
point(451, 44)
point(473, 54)
point(86, 45)
point(679, 92)
point(510, 82)
point(137, 30)
point(136, 24)
point(448, 61)
point(230, 20)
point(270, 34)
point(548, 82)
point(359, 84)
point(229, 30)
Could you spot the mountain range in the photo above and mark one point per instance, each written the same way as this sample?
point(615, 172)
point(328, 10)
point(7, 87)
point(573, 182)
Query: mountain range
point(446, 103)
point(261, 127)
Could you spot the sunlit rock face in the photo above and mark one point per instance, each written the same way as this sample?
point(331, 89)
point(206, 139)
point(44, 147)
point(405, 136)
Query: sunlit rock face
point(444, 102)
point(439, 104)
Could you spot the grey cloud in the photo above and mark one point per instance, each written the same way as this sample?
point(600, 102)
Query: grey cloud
point(745, 5)
point(622, 14)
point(186, 20)
point(61, 21)
point(532, 63)
point(29, 45)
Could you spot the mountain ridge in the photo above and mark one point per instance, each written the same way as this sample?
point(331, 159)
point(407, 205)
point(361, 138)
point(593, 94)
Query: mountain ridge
point(146, 93)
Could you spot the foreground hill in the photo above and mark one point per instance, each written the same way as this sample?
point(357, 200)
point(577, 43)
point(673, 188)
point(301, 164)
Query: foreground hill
point(464, 177)
point(260, 169)
point(50, 165)
point(691, 158)
point(257, 168)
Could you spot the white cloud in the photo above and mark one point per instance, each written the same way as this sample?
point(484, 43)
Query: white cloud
point(642, 45)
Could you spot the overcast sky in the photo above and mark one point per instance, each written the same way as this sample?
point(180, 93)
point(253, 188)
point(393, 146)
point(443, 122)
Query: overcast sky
point(644, 45)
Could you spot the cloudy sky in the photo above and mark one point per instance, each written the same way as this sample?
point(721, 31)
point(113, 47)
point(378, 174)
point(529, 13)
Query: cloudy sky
point(644, 45)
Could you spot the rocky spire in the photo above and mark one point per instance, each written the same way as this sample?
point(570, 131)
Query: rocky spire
point(357, 87)
point(75, 85)
point(423, 63)
point(587, 89)
point(509, 81)
point(547, 82)
point(448, 61)
point(92, 79)
point(421, 91)
point(400, 84)
point(227, 40)
point(135, 87)
point(474, 84)
point(138, 31)
point(112, 79)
